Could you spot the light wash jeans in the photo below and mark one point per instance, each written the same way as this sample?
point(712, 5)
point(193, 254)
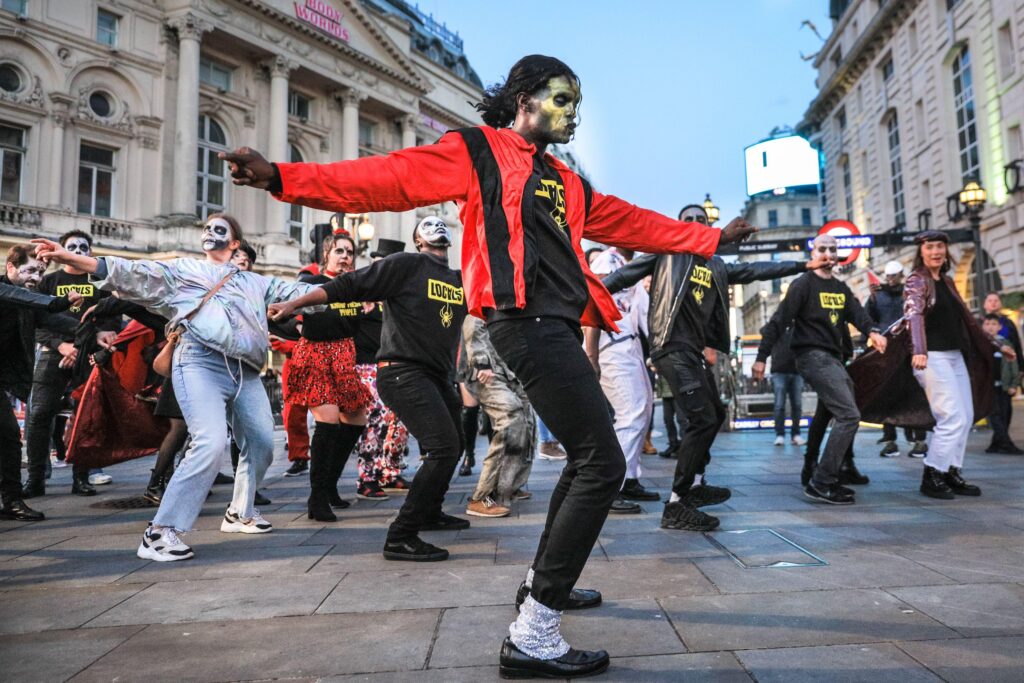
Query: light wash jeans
point(543, 432)
point(948, 387)
point(787, 386)
point(213, 390)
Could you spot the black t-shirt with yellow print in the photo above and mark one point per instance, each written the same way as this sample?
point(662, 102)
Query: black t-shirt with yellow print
point(424, 306)
point(555, 285)
point(61, 283)
point(695, 310)
point(821, 310)
point(340, 321)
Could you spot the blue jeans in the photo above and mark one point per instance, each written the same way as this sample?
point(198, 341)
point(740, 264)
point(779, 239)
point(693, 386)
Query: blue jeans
point(543, 432)
point(787, 385)
point(213, 390)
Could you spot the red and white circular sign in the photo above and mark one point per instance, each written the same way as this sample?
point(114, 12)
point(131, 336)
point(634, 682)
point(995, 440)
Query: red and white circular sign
point(838, 229)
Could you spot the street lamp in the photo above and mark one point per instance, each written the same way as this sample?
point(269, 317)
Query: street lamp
point(710, 209)
point(361, 230)
point(972, 198)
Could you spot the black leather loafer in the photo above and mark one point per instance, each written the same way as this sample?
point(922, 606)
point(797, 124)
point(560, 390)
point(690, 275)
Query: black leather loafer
point(445, 522)
point(17, 510)
point(579, 598)
point(513, 663)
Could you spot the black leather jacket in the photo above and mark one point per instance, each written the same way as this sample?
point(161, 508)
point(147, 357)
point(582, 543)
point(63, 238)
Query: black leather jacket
point(670, 274)
point(21, 312)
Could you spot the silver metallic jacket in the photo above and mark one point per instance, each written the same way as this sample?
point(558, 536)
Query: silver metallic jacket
point(233, 322)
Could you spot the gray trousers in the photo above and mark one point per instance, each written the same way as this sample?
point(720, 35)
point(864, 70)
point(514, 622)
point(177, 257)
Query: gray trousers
point(510, 455)
point(828, 376)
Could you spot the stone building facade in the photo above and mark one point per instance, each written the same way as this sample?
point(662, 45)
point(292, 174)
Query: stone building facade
point(112, 112)
point(915, 98)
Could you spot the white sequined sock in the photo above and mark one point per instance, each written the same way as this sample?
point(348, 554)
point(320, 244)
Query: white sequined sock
point(529, 577)
point(536, 631)
point(674, 498)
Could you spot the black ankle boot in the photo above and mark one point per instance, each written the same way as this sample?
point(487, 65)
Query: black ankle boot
point(80, 485)
point(320, 470)
point(933, 484)
point(959, 485)
point(348, 437)
point(155, 489)
point(466, 468)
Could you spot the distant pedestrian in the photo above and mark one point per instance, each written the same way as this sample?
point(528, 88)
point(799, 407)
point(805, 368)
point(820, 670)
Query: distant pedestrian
point(1007, 384)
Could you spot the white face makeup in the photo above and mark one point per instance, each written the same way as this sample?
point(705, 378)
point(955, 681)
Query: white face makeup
point(28, 274)
point(434, 232)
point(216, 235)
point(78, 245)
point(826, 246)
point(694, 215)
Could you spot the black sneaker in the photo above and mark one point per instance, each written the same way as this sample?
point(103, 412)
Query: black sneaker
point(414, 549)
point(833, 494)
point(919, 450)
point(33, 488)
point(703, 495)
point(890, 450)
point(298, 468)
point(621, 506)
point(259, 499)
point(849, 474)
point(669, 452)
point(684, 517)
point(632, 489)
point(445, 522)
point(223, 479)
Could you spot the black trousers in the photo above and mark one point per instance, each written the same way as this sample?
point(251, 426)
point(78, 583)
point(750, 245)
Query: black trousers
point(1002, 411)
point(909, 433)
point(10, 451)
point(547, 357)
point(431, 409)
point(696, 395)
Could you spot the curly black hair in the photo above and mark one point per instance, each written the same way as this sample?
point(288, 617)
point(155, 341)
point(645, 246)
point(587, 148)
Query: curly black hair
point(529, 75)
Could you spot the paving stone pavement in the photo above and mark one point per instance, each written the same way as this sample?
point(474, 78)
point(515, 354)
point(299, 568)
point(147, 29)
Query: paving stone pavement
point(912, 589)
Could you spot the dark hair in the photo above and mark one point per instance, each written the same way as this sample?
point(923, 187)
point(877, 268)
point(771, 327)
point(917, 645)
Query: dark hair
point(690, 206)
point(992, 316)
point(249, 251)
point(946, 265)
point(75, 233)
point(329, 241)
point(529, 75)
point(994, 294)
point(19, 255)
point(236, 228)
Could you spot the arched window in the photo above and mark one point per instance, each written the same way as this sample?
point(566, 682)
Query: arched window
point(211, 174)
point(296, 212)
point(966, 128)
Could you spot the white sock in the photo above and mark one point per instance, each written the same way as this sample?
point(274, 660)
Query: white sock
point(674, 498)
point(536, 631)
point(529, 577)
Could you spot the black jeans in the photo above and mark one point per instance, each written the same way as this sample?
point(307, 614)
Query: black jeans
point(704, 414)
point(546, 355)
point(10, 451)
point(909, 433)
point(431, 409)
point(1002, 410)
point(828, 376)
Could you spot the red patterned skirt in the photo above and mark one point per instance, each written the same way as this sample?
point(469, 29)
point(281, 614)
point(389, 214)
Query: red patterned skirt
point(324, 373)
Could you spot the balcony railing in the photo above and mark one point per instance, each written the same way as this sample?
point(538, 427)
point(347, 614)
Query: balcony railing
point(108, 229)
point(19, 215)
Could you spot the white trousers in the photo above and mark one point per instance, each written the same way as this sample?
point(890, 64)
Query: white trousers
point(627, 387)
point(948, 387)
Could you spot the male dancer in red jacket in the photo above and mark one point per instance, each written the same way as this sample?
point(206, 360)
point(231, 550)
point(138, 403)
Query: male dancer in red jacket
point(524, 272)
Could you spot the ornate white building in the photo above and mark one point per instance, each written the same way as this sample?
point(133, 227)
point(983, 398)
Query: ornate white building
point(917, 97)
point(112, 112)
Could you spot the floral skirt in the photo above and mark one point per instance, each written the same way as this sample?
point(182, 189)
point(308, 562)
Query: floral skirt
point(384, 443)
point(324, 373)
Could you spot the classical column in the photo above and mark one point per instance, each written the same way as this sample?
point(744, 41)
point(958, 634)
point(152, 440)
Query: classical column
point(190, 30)
point(61, 116)
point(350, 100)
point(407, 223)
point(277, 148)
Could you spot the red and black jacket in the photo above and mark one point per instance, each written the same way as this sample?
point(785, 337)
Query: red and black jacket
point(486, 172)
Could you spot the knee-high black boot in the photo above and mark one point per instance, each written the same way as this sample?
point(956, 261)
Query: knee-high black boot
point(348, 436)
point(321, 447)
point(470, 426)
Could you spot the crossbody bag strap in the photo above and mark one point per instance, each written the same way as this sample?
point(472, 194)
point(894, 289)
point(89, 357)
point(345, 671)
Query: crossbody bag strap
point(209, 295)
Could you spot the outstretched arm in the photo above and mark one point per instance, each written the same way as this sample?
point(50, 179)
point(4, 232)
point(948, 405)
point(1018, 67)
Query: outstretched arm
point(375, 283)
point(631, 273)
point(743, 272)
point(399, 181)
point(48, 251)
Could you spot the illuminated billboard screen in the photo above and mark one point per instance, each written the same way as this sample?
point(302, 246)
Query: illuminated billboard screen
point(782, 162)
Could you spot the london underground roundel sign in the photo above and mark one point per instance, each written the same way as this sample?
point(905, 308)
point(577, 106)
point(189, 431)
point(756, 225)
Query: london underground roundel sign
point(840, 229)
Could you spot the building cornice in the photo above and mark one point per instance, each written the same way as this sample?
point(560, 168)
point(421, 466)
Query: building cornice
point(409, 75)
point(434, 110)
point(876, 35)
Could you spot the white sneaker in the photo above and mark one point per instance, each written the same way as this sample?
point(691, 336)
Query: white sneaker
point(100, 479)
point(798, 440)
point(163, 545)
point(233, 524)
point(57, 464)
point(780, 441)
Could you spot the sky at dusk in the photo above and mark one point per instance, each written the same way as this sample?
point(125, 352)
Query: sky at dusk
point(672, 91)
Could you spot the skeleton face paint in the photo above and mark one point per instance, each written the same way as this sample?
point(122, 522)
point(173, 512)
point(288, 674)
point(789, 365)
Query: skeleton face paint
point(78, 245)
point(694, 215)
point(556, 107)
point(826, 246)
point(434, 232)
point(216, 235)
point(27, 275)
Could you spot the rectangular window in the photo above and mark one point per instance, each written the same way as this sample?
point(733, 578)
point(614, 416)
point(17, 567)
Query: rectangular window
point(1007, 57)
point(298, 105)
point(912, 38)
point(773, 218)
point(95, 180)
point(1015, 142)
point(12, 155)
point(214, 73)
point(919, 126)
point(896, 172)
point(966, 128)
point(887, 69)
point(367, 138)
point(950, 4)
point(847, 190)
point(106, 28)
point(805, 216)
point(19, 7)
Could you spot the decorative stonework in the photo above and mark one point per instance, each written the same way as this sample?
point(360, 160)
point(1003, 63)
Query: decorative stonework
point(189, 26)
point(121, 120)
point(280, 67)
point(325, 145)
point(350, 97)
